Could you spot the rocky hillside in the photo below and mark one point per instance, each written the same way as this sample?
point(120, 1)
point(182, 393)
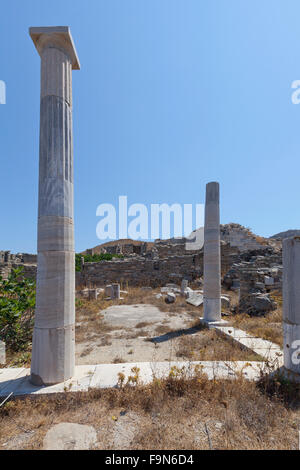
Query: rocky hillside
point(236, 235)
point(286, 234)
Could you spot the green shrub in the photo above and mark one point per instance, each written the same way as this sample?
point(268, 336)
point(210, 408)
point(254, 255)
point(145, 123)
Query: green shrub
point(94, 258)
point(17, 303)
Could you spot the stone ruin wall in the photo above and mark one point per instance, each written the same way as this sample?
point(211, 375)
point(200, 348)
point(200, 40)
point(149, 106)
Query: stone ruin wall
point(167, 261)
point(140, 271)
point(9, 261)
point(241, 237)
point(154, 270)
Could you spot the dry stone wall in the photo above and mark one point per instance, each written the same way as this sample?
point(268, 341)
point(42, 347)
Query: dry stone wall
point(141, 271)
point(155, 264)
point(9, 261)
point(241, 237)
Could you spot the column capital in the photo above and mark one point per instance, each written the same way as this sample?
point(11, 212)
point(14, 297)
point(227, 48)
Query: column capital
point(55, 36)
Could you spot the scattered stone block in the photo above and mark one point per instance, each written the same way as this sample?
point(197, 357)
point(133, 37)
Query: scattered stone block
point(170, 288)
point(188, 292)
point(184, 285)
point(269, 281)
point(171, 297)
point(257, 304)
point(108, 290)
point(260, 286)
point(115, 291)
point(235, 284)
point(93, 294)
point(195, 299)
point(225, 301)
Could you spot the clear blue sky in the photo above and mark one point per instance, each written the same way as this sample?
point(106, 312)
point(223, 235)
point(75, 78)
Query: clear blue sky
point(171, 94)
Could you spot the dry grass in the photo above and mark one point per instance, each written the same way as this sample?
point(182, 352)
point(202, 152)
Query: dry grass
point(211, 347)
point(89, 320)
point(142, 324)
point(118, 360)
point(170, 414)
point(261, 240)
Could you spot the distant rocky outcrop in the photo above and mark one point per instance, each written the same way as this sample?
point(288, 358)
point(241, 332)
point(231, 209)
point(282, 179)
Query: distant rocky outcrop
point(286, 234)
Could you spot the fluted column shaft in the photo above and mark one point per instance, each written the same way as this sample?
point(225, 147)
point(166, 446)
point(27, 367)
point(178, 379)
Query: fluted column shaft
point(53, 351)
point(212, 255)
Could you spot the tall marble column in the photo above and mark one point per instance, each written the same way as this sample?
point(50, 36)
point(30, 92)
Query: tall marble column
point(212, 255)
point(53, 349)
point(291, 305)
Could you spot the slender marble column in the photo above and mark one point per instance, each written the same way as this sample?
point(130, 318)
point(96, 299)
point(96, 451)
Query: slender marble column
point(291, 304)
point(212, 258)
point(53, 349)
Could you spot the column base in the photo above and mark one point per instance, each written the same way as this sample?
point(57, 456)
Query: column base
point(212, 309)
point(213, 323)
point(53, 359)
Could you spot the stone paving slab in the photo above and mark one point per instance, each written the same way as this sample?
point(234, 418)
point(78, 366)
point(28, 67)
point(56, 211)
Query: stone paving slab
point(266, 349)
point(233, 332)
point(106, 375)
point(80, 382)
point(11, 379)
point(271, 355)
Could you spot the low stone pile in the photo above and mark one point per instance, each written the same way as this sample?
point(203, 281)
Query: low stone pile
point(257, 304)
